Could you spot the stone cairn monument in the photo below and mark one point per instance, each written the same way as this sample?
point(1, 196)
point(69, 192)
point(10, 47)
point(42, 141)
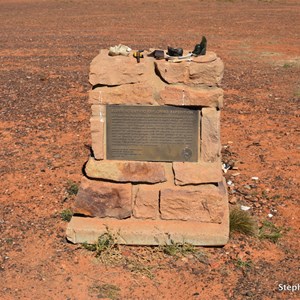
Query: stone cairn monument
point(155, 175)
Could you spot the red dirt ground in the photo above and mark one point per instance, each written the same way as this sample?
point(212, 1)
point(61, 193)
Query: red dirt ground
point(45, 51)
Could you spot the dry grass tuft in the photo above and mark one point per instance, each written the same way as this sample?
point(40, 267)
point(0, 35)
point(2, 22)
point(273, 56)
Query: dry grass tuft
point(242, 222)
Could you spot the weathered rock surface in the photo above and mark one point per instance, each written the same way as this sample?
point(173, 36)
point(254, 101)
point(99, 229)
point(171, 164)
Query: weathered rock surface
point(126, 171)
point(206, 73)
point(145, 201)
point(189, 96)
point(139, 93)
point(97, 133)
point(191, 73)
point(115, 70)
point(199, 203)
point(149, 232)
point(197, 173)
point(103, 199)
point(210, 135)
point(98, 144)
point(208, 57)
point(99, 110)
point(172, 72)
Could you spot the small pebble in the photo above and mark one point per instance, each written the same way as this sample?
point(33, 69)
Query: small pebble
point(243, 207)
point(229, 182)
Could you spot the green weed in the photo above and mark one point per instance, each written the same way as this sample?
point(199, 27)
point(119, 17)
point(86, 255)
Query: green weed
point(287, 65)
point(66, 215)
point(244, 264)
point(72, 188)
point(106, 249)
point(105, 242)
point(269, 231)
point(175, 249)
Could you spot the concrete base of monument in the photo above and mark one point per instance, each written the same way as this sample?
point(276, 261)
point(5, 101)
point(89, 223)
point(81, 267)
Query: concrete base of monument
point(150, 232)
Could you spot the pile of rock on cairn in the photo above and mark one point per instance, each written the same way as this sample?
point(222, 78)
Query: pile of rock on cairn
point(154, 202)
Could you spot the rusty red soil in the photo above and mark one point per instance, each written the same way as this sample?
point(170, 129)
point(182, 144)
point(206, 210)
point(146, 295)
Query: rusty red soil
point(45, 51)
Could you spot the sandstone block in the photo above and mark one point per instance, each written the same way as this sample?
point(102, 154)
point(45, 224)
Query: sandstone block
point(99, 110)
point(95, 122)
point(222, 185)
point(149, 232)
point(196, 72)
point(172, 72)
point(199, 203)
point(145, 201)
point(103, 199)
point(115, 70)
point(208, 57)
point(196, 173)
point(188, 96)
point(206, 73)
point(139, 93)
point(97, 133)
point(98, 144)
point(126, 171)
point(210, 135)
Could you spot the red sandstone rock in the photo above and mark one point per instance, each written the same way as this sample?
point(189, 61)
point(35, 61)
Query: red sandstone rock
point(95, 123)
point(103, 199)
point(208, 57)
point(210, 135)
point(97, 133)
point(202, 203)
point(115, 70)
point(145, 201)
point(99, 110)
point(172, 72)
point(197, 173)
point(149, 232)
point(191, 73)
point(98, 144)
point(126, 171)
point(188, 96)
point(139, 93)
point(206, 73)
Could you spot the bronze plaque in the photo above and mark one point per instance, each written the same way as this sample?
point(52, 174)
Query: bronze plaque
point(151, 133)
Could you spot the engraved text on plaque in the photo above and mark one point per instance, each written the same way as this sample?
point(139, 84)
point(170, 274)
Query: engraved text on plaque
point(152, 133)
